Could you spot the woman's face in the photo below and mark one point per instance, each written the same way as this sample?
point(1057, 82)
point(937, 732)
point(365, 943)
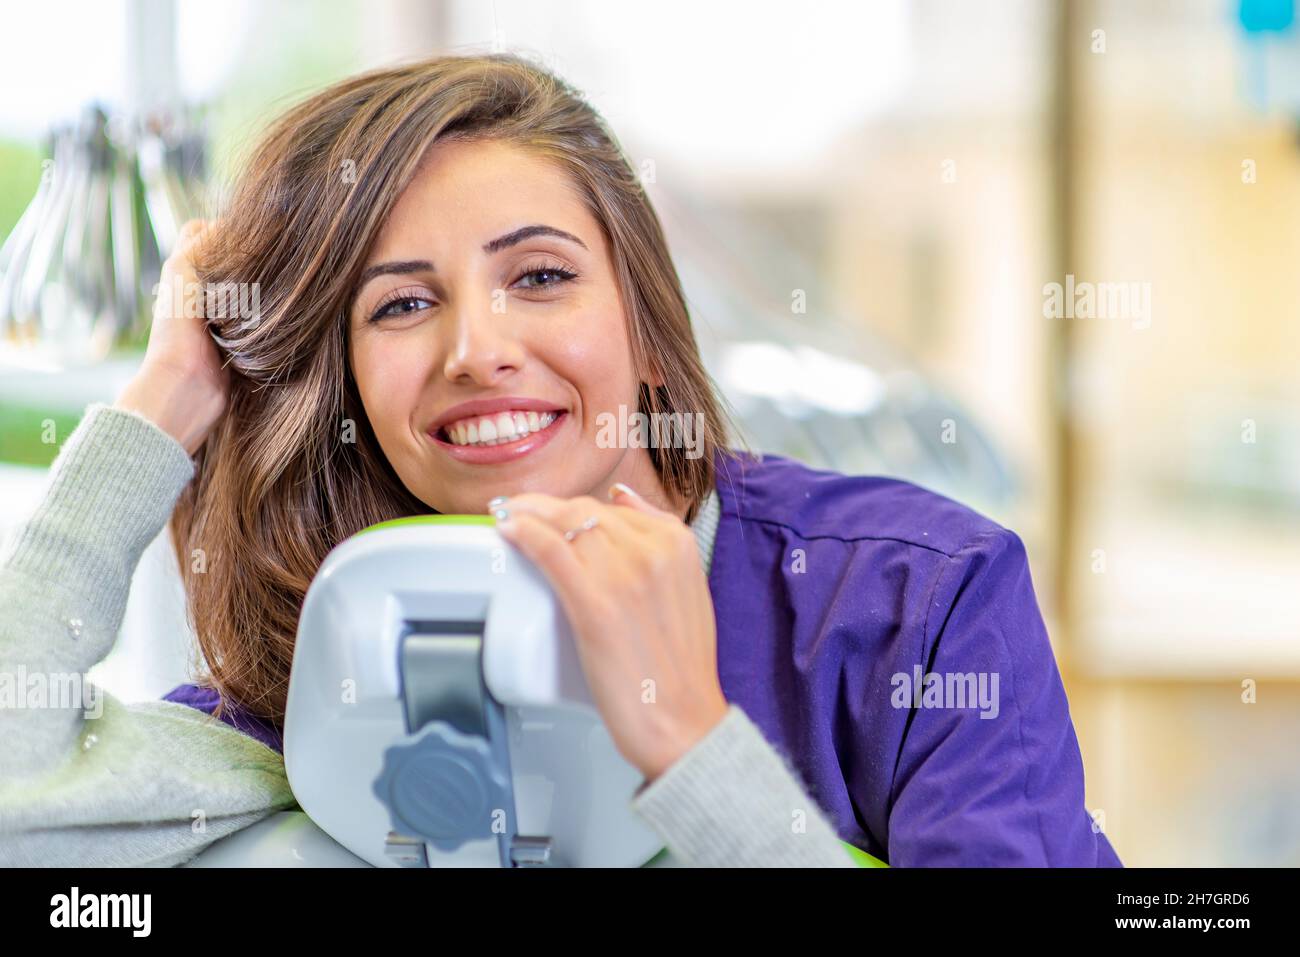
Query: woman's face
point(488, 334)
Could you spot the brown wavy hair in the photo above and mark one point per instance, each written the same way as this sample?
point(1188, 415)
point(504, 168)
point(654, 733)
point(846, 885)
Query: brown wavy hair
point(276, 487)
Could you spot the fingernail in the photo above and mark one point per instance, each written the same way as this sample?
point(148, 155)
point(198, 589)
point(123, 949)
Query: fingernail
point(501, 514)
point(618, 488)
point(496, 502)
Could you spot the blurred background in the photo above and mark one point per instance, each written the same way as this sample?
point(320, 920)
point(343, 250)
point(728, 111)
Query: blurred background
point(1040, 256)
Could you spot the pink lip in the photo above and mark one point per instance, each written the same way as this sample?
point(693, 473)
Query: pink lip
point(504, 451)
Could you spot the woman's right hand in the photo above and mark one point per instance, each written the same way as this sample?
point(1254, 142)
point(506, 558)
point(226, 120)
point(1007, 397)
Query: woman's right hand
point(181, 386)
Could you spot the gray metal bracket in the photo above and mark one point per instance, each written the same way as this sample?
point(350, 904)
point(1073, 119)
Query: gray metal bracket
point(448, 780)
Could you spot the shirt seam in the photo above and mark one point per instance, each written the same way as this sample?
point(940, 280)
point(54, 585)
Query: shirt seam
point(856, 538)
point(911, 712)
point(1020, 724)
point(980, 538)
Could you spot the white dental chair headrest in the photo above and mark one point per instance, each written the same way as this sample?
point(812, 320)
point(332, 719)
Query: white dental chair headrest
point(438, 714)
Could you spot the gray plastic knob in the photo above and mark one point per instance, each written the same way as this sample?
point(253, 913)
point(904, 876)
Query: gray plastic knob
point(442, 785)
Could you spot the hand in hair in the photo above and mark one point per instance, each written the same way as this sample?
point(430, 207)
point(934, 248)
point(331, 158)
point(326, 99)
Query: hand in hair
point(182, 386)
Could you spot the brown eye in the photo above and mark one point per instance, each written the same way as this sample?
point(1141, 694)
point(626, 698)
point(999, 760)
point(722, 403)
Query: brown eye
point(544, 276)
point(400, 305)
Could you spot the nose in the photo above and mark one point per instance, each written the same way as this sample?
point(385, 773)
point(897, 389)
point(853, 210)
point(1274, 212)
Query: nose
point(483, 347)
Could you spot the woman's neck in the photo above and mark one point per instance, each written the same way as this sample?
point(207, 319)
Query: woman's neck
point(638, 472)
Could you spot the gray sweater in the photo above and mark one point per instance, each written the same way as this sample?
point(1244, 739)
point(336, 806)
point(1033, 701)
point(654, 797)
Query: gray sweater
point(87, 780)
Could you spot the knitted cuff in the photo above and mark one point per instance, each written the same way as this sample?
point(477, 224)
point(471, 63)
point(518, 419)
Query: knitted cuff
point(733, 801)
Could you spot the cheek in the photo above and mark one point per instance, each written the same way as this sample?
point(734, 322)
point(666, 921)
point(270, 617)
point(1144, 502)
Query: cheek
point(389, 379)
point(591, 350)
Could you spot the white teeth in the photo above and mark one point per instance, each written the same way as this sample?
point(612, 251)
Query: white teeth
point(505, 427)
point(495, 429)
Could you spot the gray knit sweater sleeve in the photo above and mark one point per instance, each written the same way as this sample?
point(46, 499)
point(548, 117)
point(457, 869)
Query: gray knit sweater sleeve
point(84, 778)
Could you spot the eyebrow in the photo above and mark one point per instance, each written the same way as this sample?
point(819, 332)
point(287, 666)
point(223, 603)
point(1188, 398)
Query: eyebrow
point(496, 245)
point(527, 232)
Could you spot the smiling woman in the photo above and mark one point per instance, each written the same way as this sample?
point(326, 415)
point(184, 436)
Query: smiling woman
point(462, 285)
point(442, 250)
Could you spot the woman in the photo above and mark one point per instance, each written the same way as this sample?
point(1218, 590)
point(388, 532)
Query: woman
point(460, 281)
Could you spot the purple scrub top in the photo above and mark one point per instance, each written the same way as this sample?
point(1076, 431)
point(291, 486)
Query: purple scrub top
point(887, 641)
point(205, 699)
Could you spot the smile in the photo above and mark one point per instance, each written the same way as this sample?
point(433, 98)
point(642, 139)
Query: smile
point(498, 429)
point(497, 437)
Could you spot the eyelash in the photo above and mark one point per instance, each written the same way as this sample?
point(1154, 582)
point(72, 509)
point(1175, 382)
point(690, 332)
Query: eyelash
point(404, 295)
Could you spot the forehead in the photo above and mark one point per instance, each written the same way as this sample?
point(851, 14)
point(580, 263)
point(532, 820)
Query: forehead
point(478, 190)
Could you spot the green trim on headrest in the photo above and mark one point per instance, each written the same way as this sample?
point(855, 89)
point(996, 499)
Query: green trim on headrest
point(662, 853)
point(433, 520)
point(861, 857)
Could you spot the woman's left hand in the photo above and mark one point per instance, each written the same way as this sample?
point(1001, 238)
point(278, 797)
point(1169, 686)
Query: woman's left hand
point(638, 601)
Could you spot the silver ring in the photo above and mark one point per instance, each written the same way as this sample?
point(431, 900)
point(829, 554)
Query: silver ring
point(573, 533)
